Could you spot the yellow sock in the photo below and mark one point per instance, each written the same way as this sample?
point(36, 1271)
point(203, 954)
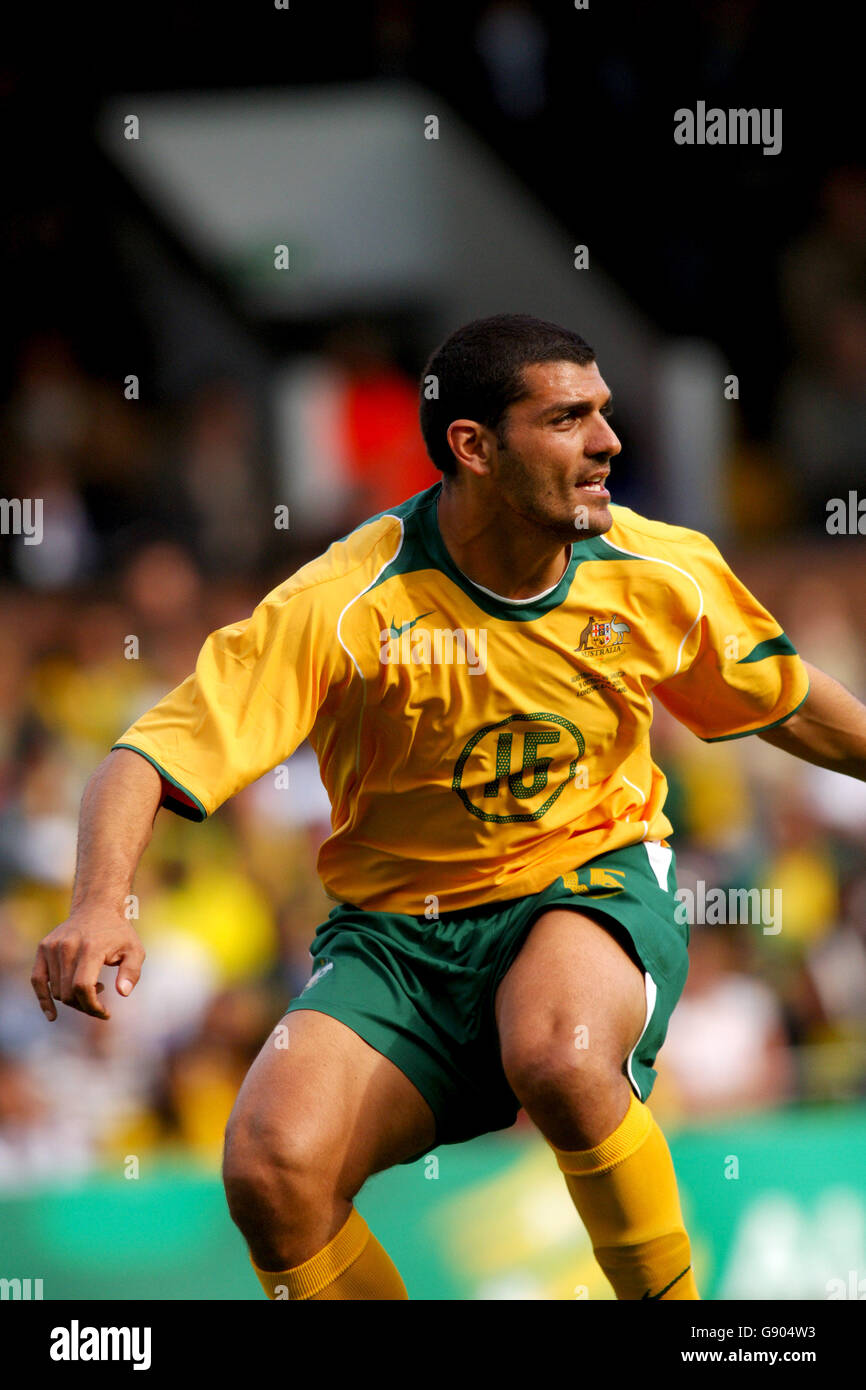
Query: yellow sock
point(351, 1266)
point(625, 1191)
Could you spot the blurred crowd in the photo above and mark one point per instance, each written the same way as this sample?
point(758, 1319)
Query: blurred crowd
point(821, 410)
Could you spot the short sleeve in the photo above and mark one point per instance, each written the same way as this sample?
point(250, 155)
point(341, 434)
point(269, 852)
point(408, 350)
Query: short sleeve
point(253, 698)
point(739, 672)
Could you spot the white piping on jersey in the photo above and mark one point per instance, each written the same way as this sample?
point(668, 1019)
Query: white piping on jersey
point(672, 566)
point(644, 823)
point(643, 800)
point(367, 589)
point(364, 591)
point(535, 597)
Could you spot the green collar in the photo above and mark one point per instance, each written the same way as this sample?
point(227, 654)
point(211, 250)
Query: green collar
point(509, 610)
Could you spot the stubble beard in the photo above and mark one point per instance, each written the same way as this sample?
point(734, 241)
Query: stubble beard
point(566, 521)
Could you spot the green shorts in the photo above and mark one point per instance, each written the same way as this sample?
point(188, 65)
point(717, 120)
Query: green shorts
point(422, 992)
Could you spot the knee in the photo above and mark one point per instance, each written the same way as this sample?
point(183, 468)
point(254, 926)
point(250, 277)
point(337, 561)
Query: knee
point(563, 1074)
point(271, 1172)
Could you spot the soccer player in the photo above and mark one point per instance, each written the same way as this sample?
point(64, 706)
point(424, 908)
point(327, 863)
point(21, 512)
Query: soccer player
point(474, 670)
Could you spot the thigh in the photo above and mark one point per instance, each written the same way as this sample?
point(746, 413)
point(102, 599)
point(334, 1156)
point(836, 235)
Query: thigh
point(318, 1092)
point(572, 973)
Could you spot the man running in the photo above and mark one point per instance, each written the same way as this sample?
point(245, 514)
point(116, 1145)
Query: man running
point(474, 669)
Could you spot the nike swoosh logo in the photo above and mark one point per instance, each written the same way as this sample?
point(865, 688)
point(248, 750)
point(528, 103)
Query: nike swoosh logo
point(407, 627)
point(681, 1275)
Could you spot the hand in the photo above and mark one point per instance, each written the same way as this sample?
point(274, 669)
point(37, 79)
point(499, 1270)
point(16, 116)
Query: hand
point(69, 959)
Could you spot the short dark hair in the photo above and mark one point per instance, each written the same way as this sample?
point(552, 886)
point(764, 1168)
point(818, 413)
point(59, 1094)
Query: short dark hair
point(478, 373)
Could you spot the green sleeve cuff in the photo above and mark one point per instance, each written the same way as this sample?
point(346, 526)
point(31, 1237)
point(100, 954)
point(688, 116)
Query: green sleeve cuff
point(185, 805)
point(744, 733)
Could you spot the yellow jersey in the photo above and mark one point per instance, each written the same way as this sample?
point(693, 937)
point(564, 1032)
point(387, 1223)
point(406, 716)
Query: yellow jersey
point(473, 747)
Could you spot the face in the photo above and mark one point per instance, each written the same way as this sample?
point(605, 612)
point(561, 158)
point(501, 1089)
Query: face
point(554, 448)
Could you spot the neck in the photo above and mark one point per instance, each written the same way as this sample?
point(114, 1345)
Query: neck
point(496, 547)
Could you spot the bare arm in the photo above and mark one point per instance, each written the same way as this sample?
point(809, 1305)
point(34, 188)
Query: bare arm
point(829, 728)
point(118, 809)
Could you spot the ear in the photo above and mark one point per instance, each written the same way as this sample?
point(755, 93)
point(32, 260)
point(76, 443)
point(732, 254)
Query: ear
point(472, 445)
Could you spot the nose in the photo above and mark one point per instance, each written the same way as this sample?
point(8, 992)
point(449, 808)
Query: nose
point(602, 444)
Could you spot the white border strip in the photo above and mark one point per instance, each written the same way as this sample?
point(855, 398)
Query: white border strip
point(660, 857)
point(644, 823)
point(636, 555)
point(535, 597)
point(390, 517)
point(651, 996)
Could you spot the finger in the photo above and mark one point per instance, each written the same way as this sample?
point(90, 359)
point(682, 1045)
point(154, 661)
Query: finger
point(52, 961)
point(130, 969)
point(85, 989)
point(39, 981)
point(71, 951)
point(85, 999)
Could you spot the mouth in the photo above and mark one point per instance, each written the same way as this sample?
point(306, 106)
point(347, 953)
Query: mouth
point(595, 485)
